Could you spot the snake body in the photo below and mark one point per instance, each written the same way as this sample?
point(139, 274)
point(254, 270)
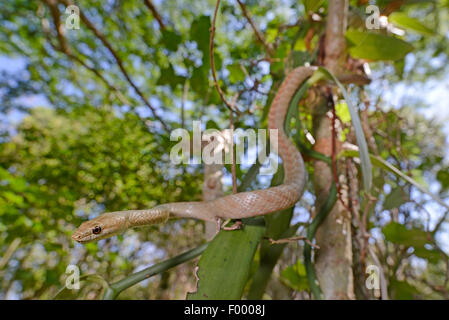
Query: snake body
point(235, 206)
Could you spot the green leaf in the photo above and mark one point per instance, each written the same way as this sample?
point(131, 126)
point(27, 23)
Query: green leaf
point(236, 73)
point(398, 233)
point(168, 77)
point(199, 32)
point(277, 228)
point(400, 19)
point(402, 290)
point(356, 123)
point(171, 39)
point(381, 163)
point(342, 111)
point(225, 265)
point(312, 5)
point(13, 198)
point(443, 178)
point(299, 58)
point(199, 81)
point(295, 277)
point(373, 46)
point(399, 66)
point(394, 199)
point(433, 256)
point(17, 184)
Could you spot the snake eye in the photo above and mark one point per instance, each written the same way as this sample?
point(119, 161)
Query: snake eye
point(96, 230)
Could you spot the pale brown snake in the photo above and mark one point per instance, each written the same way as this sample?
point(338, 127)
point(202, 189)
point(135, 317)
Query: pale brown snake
point(234, 206)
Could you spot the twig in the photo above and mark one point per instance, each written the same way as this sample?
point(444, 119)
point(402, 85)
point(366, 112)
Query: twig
point(64, 48)
point(10, 251)
point(233, 168)
point(183, 101)
point(236, 226)
point(212, 60)
point(258, 34)
point(334, 153)
point(293, 239)
point(440, 222)
point(155, 13)
point(119, 62)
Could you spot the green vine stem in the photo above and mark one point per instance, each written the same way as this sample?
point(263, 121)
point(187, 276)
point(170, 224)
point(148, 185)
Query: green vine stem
point(116, 288)
point(322, 214)
point(332, 198)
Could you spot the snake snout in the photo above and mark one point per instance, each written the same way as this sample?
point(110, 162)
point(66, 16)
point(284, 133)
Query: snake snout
point(77, 236)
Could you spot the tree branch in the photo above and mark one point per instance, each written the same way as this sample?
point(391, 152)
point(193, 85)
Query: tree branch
point(258, 34)
point(212, 61)
point(64, 48)
point(334, 260)
point(155, 13)
point(119, 62)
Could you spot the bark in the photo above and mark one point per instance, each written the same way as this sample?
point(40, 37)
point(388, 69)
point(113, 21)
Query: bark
point(335, 42)
point(333, 261)
point(212, 189)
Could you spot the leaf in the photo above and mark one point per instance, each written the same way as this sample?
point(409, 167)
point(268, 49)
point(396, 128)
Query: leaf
point(312, 5)
point(13, 198)
point(199, 32)
point(299, 58)
point(171, 39)
point(224, 266)
point(373, 46)
point(342, 111)
point(17, 184)
point(433, 256)
point(169, 77)
point(400, 19)
point(402, 290)
point(236, 73)
point(398, 233)
point(443, 178)
point(394, 199)
point(381, 163)
point(199, 81)
point(399, 66)
point(270, 254)
point(295, 277)
point(360, 136)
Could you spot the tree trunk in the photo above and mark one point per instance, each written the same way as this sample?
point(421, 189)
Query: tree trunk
point(212, 189)
point(333, 261)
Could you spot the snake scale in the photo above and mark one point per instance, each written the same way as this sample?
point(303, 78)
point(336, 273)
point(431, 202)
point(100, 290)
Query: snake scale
point(234, 206)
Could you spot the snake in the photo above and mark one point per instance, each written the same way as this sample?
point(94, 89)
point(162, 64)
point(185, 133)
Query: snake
point(234, 206)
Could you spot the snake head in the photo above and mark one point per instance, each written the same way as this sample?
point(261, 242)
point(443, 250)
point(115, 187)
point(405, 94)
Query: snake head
point(101, 227)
